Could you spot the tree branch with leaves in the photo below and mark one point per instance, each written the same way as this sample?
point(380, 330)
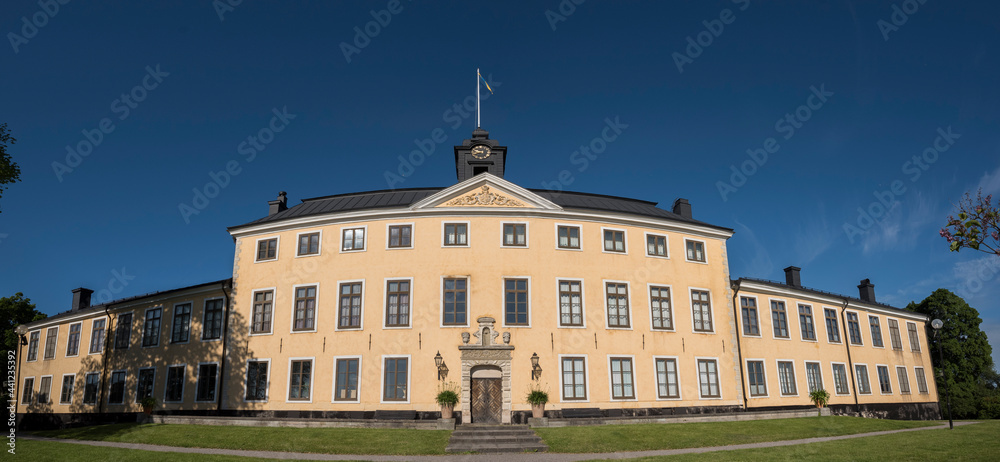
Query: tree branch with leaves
point(977, 226)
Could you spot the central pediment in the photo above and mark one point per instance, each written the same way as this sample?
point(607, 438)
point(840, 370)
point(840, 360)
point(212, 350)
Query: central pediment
point(485, 191)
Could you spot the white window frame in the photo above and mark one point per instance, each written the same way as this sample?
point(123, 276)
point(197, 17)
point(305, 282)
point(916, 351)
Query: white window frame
point(822, 380)
point(138, 372)
point(910, 340)
point(586, 375)
point(288, 380)
point(879, 379)
point(166, 383)
point(611, 391)
point(795, 377)
point(861, 332)
point(624, 240)
point(583, 303)
point(159, 336)
point(711, 308)
point(364, 310)
point(274, 299)
point(656, 379)
point(267, 389)
point(90, 337)
point(718, 376)
point(291, 321)
point(704, 247)
point(39, 347)
point(298, 241)
point(341, 230)
point(673, 308)
point(277, 248)
point(204, 309)
point(70, 403)
point(881, 333)
point(503, 302)
point(570, 225)
point(468, 234)
point(798, 322)
point(79, 340)
point(742, 327)
point(767, 386)
point(927, 388)
point(906, 373)
point(645, 242)
point(48, 396)
point(527, 235)
point(840, 328)
point(385, 301)
point(34, 397)
point(197, 380)
point(44, 343)
point(111, 383)
point(788, 323)
point(173, 311)
point(413, 234)
point(847, 377)
point(409, 380)
point(333, 392)
point(468, 301)
point(868, 378)
point(631, 306)
point(97, 393)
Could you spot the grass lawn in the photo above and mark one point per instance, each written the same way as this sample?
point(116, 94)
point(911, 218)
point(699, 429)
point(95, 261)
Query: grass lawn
point(642, 437)
point(968, 442)
point(315, 440)
point(67, 452)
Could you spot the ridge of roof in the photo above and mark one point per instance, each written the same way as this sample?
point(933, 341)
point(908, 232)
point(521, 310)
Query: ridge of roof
point(823, 292)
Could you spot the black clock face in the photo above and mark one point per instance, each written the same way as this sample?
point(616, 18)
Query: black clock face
point(481, 152)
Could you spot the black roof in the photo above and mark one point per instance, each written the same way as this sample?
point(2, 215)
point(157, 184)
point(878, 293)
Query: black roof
point(822, 292)
point(102, 306)
point(406, 197)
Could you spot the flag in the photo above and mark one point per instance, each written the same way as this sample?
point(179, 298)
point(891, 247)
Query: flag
point(485, 82)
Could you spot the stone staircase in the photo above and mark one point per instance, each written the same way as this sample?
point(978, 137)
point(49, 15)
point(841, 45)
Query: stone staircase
point(495, 439)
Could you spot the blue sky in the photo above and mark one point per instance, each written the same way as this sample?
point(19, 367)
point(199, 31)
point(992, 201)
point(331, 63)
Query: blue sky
point(843, 94)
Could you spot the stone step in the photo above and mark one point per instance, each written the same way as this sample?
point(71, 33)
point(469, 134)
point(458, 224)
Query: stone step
point(496, 439)
point(497, 448)
point(492, 433)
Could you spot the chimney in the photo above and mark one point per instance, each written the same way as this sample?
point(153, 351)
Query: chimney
point(81, 299)
point(867, 291)
point(278, 205)
point(792, 276)
point(682, 207)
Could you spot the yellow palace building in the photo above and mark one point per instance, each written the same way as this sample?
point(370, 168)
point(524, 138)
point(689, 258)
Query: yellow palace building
point(360, 305)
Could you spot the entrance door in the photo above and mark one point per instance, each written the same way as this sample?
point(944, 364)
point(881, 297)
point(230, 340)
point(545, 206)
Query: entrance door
point(487, 400)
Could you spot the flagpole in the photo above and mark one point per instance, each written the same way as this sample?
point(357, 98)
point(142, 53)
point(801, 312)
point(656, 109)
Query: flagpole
point(477, 97)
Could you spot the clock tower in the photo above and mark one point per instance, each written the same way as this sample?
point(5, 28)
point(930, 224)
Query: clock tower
point(478, 155)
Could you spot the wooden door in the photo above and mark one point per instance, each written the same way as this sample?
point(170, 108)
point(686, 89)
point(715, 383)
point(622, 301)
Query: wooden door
point(487, 400)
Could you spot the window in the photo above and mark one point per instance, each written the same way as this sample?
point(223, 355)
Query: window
point(708, 378)
point(175, 384)
point(617, 298)
point(395, 377)
point(300, 380)
point(305, 309)
point(779, 319)
point(346, 386)
point(66, 395)
point(515, 302)
point(97, 336)
point(515, 235)
point(50, 342)
point(90, 388)
point(144, 385)
point(786, 377)
point(397, 304)
point(659, 305)
point(123, 331)
point(911, 333)
point(614, 241)
point(884, 383)
point(702, 308)
point(117, 393)
point(569, 237)
point(570, 303)
point(456, 234)
point(876, 331)
point(840, 379)
point(806, 322)
point(861, 371)
point(904, 380)
point(666, 379)
point(814, 377)
point(353, 239)
point(921, 379)
point(832, 328)
point(748, 306)
point(256, 381)
point(656, 246)
point(28, 390)
point(308, 244)
point(454, 310)
point(755, 371)
point(621, 379)
point(350, 306)
point(854, 328)
point(151, 328)
point(695, 250)
point(33, 345)
point(44, 388)
point(574, 379)
point(73, 342)
point(180, 331)
point(267, 249)
point(262, 307)
point(208, 375)
point(400, 236)
point(212, 324)
point(897, 343)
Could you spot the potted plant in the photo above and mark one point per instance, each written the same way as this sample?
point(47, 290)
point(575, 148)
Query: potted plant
point(819, 398)
point(537, 399)
point(148, 403)
point(447, 397)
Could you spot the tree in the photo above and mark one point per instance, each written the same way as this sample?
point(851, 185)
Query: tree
point(14, 311)
point(9, 171)
point(977, 226)
point(968, 364)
